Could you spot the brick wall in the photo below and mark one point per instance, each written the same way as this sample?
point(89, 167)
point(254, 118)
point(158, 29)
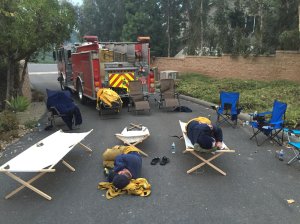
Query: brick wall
point(283, 65)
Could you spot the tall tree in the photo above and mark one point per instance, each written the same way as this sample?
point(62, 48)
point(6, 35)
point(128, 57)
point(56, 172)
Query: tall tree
point(31, 26)
point(144, 18)
point(172, 19)
point(197, 27)
point(102, 18)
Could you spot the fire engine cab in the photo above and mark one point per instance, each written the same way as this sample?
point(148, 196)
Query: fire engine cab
point(85, 68)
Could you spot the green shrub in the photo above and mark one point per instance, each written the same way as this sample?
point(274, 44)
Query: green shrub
point(8, 121)
point(289, 40)
point(254, 95)
point(31, 124)
point(18, 104)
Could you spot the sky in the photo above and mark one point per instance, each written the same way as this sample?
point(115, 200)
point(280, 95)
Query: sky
point(76, 2)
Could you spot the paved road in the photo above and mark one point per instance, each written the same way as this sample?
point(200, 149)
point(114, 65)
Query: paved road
point(255, 189)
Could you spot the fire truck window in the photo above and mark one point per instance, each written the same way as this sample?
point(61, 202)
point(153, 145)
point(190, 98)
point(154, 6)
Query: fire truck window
point(54, 55)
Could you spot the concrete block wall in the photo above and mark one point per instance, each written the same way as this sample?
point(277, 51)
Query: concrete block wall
point(284, 65)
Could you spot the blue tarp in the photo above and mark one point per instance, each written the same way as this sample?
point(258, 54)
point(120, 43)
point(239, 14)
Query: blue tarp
point(65, 105)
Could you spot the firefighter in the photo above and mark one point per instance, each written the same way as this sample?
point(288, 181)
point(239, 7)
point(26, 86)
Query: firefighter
point(204, 135)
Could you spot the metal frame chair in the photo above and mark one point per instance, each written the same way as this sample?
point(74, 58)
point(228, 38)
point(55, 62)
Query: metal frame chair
point(295, 145)
point(137, 99)
point(168, 97)
point(228, 111)
point(60, 104)
point(270, 128)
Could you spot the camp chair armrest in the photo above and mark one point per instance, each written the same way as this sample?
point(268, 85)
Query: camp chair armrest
point(295, 132)
point(260, 114)
point(276, 122)
point(214, 107)
point(264, 113)
point(54, 110)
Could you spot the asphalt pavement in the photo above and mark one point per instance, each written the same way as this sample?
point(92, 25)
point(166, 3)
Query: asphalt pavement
point(255, 190)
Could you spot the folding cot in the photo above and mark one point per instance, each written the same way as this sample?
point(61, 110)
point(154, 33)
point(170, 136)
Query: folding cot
point(133, 137)
point(41, 158)
point(190, 148)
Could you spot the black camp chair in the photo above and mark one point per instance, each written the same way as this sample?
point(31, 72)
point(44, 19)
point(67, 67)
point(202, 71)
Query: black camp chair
point(60, 104)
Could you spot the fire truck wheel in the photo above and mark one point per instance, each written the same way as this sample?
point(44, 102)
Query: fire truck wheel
point(80, 93)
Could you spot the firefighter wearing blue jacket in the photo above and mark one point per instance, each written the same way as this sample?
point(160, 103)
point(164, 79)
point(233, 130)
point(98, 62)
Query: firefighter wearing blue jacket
point(204, 135)
point(126, 167)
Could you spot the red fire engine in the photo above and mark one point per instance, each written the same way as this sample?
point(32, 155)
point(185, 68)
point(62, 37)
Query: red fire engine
point(87, 67)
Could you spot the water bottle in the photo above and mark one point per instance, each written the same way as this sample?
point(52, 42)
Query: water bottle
point(281, 154)
point(173, 147)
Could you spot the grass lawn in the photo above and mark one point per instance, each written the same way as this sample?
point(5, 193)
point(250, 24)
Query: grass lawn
point(254, 95)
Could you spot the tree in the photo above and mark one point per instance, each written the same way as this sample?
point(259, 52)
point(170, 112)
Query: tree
point(172, 19)
point(102, 18)
point(143, 18)
point(31, 26)
point(197, 26)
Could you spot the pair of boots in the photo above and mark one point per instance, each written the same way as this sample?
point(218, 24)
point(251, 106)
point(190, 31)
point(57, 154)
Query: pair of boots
point(199, 149)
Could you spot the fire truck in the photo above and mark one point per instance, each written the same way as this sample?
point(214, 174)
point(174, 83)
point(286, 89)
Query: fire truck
point(86, 67)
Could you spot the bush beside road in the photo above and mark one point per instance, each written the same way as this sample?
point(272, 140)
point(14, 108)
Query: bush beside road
point(254, 95)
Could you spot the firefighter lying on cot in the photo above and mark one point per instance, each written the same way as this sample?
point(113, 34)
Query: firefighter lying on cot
point(205, 136)
point(127, 166)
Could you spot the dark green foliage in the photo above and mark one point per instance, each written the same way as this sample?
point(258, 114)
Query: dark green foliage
point(30, 26)
point(254, 95)
point(31, 124)
point(238, 27)
point(8, 121)
point(289, 40)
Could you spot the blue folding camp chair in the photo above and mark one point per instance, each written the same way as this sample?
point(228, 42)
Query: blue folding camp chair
point(294, 143)
point(228, 110)
point(270, 128)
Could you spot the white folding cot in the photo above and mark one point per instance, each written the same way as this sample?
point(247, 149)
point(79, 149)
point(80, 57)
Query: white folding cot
point(190, 148)
point(42, 157)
